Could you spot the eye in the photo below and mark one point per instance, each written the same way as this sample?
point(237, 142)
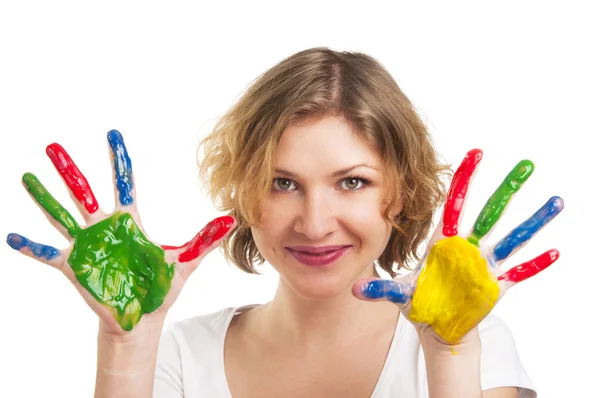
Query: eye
point(282, 184)
point(355, 183)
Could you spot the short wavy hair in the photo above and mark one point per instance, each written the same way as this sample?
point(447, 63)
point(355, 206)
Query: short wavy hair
point(237, 163)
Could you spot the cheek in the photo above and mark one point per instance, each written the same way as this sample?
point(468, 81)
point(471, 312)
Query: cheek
point(369, 225)
point(272, 225)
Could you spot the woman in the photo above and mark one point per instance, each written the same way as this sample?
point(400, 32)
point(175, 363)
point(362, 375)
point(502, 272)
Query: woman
point(326, 171)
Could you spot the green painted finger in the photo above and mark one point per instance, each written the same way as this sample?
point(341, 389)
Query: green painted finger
point(51, 205)
point(493, 209)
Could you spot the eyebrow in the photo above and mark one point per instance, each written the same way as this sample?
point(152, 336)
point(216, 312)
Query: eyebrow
point(334, 174)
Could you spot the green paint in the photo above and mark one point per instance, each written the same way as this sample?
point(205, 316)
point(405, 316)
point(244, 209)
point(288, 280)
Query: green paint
point(51, 205)
point(493, 209)
point(122, 269)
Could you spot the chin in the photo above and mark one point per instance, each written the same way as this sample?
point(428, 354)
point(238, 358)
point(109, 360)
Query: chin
point(320, 286)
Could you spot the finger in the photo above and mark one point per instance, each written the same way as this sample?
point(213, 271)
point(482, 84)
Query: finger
point(46, 254)
point(530, 268)
point(125, 193)
point(519, 236)
point(74, 179)
point(194, 250)
point(52, 209)
point(382, 289)
point(496, 204)
point(457, 193)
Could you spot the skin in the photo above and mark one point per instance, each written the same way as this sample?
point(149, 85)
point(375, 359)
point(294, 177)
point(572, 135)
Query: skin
point(459, 281)
point(315, 311)
point(127, 345)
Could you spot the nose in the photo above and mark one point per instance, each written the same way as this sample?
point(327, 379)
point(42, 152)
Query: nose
point(317, 217)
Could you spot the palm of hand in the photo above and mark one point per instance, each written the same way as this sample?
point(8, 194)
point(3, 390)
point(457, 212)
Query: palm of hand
point(111, 262)
point(120, 267)
point(455, 289)
point(459, 281)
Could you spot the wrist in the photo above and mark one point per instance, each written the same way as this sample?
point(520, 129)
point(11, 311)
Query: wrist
point(145, 329)
point(131, 353)
point(433, 344)
point(453, 370)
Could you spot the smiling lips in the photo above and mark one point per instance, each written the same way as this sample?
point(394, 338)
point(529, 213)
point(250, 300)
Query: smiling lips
point(317, 256)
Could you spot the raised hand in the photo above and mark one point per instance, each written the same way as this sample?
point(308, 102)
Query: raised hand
point(120, 273)
point(459, 280)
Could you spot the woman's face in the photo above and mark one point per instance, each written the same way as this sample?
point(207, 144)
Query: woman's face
point(328, 190)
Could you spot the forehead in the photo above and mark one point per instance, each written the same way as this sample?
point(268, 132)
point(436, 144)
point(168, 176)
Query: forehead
point(327, 142)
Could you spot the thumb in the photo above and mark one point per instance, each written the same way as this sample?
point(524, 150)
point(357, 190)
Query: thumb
point(191, 253)
point(376, 289)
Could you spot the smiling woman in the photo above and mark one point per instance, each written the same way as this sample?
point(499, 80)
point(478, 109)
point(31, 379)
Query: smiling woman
point(362, 105)
point(329, 172)
point(326, 172)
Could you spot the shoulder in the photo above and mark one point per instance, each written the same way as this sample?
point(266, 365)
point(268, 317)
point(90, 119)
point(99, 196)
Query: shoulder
point(200, 327)
point(501, 365)
point(207, 329)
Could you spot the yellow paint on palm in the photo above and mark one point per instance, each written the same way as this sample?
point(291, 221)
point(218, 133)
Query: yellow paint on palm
point(455, 289)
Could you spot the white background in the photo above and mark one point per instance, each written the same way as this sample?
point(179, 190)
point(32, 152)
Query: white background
point(519, 80)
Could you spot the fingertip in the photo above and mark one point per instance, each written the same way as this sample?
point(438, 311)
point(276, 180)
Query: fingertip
point(52, 149)
point(476, 153)
point(526, 167)
point(227, 221)
point(15, 241)
point(219, 227)
point(558, 202)
point(114, 135)
point(28, 178)
point(369, 289)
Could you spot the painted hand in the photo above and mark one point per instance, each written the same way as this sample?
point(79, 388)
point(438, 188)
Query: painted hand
point(459, 280)
point(120, 273)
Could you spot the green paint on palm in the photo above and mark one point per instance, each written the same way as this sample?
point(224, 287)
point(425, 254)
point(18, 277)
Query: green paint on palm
point(121, 268)
point(494, 207)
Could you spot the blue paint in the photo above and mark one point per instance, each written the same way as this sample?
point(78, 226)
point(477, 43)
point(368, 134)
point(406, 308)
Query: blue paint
point(18, 242)
point(521, 234)
point(395, 292)
point(123, 173)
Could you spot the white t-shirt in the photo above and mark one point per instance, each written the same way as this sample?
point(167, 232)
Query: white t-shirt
point(190, 360)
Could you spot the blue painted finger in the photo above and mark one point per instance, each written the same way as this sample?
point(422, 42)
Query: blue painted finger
point(122, 167)
point(525, 231)
point(395, 292)
point(38, 250)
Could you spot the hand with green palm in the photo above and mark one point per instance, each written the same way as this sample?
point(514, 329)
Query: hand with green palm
point(120, 273)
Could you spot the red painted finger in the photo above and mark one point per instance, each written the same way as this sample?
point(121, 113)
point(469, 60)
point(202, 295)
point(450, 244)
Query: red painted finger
point(212, 232)
point(530, 268)
point(74, 179)
point(458, 191)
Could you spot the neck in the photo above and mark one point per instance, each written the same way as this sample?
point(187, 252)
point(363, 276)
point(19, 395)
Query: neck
point(306, 322)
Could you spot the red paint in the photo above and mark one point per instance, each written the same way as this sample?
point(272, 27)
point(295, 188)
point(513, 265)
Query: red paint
point(530, 268)
point(76, 182)
point(458, 190)
point(213, 231)
point(318, 260)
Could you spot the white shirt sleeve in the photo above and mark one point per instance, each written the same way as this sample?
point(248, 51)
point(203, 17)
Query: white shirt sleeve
point(500, 362)
point(168, 381)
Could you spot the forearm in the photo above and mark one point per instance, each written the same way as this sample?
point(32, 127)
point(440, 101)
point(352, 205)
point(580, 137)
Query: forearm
point(453, 371)
point(125, 366)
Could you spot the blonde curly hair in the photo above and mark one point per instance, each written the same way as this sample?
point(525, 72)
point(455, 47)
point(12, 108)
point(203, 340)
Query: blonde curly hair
point(237, 163)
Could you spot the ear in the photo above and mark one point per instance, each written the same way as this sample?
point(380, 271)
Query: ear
point(397, 209)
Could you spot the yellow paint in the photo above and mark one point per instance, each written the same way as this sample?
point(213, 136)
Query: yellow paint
point(455, 289)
